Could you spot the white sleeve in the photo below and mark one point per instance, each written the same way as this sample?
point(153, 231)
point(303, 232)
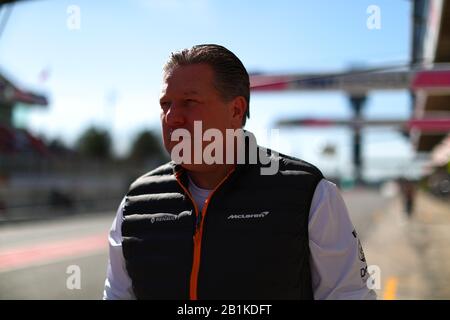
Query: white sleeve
point(118, 285)
point(338, 265)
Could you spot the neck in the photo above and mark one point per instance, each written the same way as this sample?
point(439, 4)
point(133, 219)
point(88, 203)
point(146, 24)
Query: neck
point(210, 179)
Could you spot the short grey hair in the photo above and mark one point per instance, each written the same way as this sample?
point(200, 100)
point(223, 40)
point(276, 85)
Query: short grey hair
point(231, 77)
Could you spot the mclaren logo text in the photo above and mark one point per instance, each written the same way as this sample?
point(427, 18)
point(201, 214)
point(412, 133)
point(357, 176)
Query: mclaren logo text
point(249, 216)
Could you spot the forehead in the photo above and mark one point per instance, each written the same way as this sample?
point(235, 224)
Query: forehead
point(191, 79)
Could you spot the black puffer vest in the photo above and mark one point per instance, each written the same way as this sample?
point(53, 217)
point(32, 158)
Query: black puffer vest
point(250, 241)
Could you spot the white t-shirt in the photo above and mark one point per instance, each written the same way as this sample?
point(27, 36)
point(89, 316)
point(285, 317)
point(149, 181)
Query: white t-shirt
point(335, 254)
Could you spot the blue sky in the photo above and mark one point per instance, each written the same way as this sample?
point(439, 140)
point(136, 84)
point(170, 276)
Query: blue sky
point(108, 72)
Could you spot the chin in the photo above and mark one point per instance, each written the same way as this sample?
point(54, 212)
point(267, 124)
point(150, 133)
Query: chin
point(198, 167)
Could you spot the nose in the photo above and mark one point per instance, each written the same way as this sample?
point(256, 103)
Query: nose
point(174, 116)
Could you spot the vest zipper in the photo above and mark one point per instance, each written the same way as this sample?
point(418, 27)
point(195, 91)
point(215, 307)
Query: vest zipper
point(193, 284)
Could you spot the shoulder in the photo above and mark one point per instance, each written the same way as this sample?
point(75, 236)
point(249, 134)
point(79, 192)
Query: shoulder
point(164, 169)
point(158, 176)
point(293, 175)
point(290, 164)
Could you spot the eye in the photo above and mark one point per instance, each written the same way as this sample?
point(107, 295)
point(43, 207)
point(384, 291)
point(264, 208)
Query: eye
point(165, 104)
point(191, 102)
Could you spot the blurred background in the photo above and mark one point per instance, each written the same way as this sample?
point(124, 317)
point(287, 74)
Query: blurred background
point(359, 88)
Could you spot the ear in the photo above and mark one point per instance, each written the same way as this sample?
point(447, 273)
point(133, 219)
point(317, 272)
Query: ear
point(238, 108)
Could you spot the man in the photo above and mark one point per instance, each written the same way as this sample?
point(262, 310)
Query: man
point(408, 191)
point(217, 222)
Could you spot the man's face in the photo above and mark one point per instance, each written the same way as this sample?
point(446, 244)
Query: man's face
point(188, 95)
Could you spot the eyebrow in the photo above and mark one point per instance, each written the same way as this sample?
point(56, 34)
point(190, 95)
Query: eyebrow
point(186, 93)
point(191, 92)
